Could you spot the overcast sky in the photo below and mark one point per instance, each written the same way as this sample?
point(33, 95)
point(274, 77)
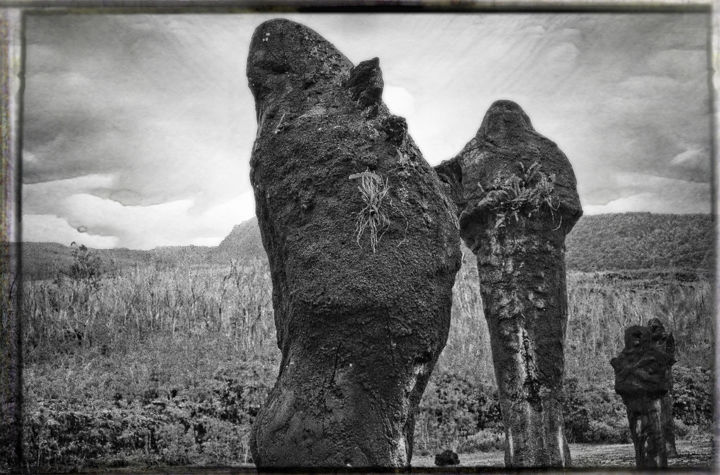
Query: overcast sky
point(138, 128)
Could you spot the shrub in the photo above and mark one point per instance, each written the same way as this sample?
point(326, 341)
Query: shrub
point(594, 413)
point(168, 423)
point(452, 411)
point(693, 396)
point(173, 365)
point(86, 265)
point(681, 430)
point(485, 440)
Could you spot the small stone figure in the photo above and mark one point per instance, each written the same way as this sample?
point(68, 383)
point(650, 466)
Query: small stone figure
point(447, 457)
point(642, 379)
point(516, 195)
point(363, 249)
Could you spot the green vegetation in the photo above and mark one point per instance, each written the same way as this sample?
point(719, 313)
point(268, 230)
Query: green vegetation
point(8, 356)
point(641, 241)
point(371, 218)
point(523, 194)
point(644, 242)
point(165, 356)
point(157, 365)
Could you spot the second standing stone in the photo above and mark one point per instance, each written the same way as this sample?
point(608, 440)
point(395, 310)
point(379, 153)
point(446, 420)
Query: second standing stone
point(516, 193)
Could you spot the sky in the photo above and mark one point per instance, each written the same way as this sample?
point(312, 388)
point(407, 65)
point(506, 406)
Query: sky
point(137, 129)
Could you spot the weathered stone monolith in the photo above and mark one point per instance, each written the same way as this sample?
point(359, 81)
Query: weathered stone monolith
point(642, 379)
point(516, 195)
point(363, 249)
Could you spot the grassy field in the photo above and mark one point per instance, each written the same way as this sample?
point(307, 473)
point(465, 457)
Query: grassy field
point(163, 365)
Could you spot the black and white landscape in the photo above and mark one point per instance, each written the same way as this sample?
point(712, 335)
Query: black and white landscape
point(150, 336)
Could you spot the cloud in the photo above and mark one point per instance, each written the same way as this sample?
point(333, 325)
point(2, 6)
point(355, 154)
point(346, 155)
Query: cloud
point(694, 163)
point(44, 198)
point(140, 127)
point(50, 228)
point(138, 98)
point(99, 222)
point(168, 224)
point(656, 195)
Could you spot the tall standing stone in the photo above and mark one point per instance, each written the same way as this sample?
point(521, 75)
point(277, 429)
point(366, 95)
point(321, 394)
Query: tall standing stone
point(642, 379)
point(363, 250)
point(516, 195)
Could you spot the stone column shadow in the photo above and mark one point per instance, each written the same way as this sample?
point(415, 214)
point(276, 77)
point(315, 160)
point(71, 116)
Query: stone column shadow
point(516, 195)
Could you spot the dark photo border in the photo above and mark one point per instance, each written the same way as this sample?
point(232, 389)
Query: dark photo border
point(12, 56)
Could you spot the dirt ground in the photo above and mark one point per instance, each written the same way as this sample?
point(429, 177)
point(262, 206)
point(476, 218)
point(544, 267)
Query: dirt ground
point(695, 453)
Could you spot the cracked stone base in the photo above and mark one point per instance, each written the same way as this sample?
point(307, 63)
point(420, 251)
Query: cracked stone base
point(644, 416)
point(522, 278)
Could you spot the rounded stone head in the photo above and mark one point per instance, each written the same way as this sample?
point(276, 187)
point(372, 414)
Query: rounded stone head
point(656, 326)
point(642, 368)
point(285, 55)
point(635, 337)
point(504, 120)
point(508, 170)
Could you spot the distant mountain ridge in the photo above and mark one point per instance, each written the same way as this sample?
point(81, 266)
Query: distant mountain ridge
point(243, 240)
point(617, 242)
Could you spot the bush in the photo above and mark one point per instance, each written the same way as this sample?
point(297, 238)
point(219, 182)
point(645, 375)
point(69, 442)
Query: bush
point(168, 425)
point(452, 411)
point(594, 414)
point(86, 266)
point(681, 430)
point(693, 396)
point(485, 440)
point(186, 356)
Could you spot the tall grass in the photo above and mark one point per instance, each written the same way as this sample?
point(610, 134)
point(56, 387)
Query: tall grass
point(233, 302)
point(187, 355)
point(600, 307)
point(9, 377)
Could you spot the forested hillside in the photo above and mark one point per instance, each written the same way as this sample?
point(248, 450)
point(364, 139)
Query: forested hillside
point(631, 241)
point(641, 241)
point(243, 240)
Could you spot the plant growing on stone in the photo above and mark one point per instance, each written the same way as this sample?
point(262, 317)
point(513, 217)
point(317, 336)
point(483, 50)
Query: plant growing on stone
point(521, 194)
point(373, 191)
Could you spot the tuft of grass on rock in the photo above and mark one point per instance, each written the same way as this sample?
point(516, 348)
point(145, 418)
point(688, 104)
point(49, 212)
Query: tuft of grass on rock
point(373, 190)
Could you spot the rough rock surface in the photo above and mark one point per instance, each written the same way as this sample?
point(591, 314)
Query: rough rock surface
point(363, 250)
point(643, 378)
point(516, 196)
